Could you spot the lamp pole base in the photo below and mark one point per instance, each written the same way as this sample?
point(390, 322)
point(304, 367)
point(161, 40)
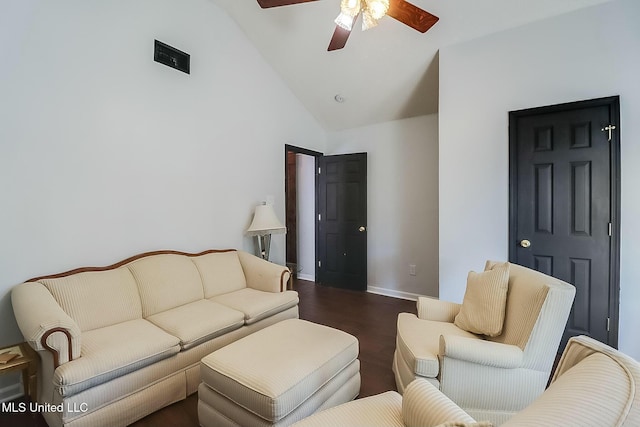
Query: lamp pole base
point(264, 245)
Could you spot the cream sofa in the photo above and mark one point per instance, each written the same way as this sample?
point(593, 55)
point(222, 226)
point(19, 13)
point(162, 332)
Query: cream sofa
point(594, 385)
point(119, 342)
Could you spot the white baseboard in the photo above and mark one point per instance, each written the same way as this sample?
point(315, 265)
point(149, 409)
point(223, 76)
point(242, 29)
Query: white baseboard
point(377, 290)
point(309, 277)
point(393, 293)
point(11, 392)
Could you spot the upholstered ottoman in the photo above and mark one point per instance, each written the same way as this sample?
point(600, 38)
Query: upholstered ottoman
point(278, 375)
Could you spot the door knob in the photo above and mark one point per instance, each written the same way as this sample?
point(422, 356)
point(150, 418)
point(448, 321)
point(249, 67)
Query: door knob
point(525, 243)
point(361, 229)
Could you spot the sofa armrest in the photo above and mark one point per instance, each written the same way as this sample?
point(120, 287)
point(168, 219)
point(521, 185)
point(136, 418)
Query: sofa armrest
point(263, 275)
point(437, 310)
point(423, 405)
point(481, 352)
point(43, 323)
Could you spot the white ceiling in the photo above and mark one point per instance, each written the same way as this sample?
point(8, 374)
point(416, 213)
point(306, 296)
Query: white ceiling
point(386, 73)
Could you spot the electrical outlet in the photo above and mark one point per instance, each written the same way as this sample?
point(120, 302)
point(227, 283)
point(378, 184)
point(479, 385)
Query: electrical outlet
point(412, 269)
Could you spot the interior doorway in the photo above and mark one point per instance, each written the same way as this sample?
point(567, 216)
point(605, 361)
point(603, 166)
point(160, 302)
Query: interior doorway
point(300, 210)
point(326, 217)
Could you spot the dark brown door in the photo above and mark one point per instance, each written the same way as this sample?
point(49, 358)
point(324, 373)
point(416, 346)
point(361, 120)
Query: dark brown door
point(291, 206)
point(342, 227)
point(564, 197)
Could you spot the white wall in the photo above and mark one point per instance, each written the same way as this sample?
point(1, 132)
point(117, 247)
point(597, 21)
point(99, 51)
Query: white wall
point(586, 54)
point(105, 153)
point(402, 202)
point(306, 216)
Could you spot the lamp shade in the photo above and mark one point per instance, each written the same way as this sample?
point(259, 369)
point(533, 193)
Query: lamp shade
point(265, 221)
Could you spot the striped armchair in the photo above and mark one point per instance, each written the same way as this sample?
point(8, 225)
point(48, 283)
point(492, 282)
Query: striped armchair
point(491, 378)
point(593, 386)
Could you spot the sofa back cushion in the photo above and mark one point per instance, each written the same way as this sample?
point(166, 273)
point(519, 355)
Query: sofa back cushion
point(84, 296)
point(221, 273)
point(166, 281)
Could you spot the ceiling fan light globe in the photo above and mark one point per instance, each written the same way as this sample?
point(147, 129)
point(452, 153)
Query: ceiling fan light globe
point(377, 8)
point(368, 21)
point(350, 7)
point(344, 21)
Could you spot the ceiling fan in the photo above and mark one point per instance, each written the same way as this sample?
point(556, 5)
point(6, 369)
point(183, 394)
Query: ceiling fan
point(371, 11)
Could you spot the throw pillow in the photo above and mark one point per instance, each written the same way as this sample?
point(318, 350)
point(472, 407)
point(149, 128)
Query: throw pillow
point(484, 302)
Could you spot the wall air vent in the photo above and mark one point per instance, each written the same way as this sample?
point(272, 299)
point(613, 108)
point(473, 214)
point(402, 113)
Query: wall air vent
point(174, 58)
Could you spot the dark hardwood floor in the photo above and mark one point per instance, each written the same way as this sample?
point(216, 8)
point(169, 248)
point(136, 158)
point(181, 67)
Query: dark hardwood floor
point(371, 318)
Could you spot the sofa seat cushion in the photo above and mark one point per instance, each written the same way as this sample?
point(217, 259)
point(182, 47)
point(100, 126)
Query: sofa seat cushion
point(113, 351)
point(257, 305)
point(418, 342)
point(198, 321)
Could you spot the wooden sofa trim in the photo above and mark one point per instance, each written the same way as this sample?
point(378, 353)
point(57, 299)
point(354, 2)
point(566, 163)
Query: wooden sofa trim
point(53, 351)
point(283, 284)
point(127, 261)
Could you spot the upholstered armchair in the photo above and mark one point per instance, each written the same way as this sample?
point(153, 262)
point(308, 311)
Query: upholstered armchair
point(593, 386)
point(490, 377)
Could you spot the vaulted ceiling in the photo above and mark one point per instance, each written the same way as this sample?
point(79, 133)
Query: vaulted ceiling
point(386, 73)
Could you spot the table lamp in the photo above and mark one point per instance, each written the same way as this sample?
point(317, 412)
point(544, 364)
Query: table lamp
point(264, 224)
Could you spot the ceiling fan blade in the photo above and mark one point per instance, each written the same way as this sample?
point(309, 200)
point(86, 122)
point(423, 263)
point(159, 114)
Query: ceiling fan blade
point(339, 39)
point(411, 15)
point(340, 36)
point(276, 3)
